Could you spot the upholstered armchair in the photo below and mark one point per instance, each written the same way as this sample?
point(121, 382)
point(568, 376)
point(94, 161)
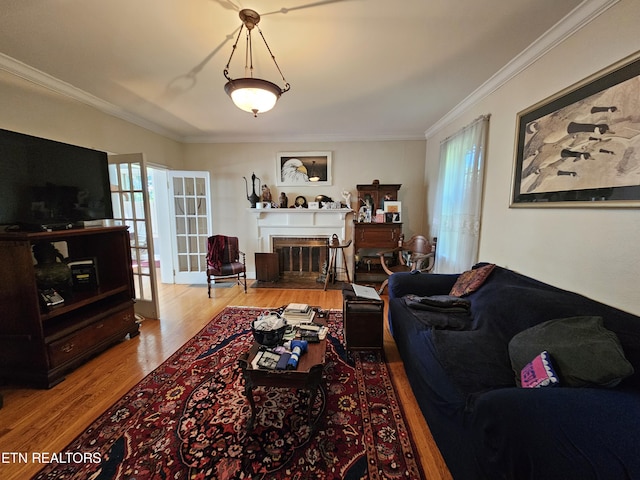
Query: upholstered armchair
point(225, 260)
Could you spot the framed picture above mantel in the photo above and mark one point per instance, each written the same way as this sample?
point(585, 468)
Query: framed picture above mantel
point(303, 169)
point(581, 147)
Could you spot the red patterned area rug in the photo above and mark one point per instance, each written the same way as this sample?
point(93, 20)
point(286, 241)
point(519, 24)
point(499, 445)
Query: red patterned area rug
point(188, 419)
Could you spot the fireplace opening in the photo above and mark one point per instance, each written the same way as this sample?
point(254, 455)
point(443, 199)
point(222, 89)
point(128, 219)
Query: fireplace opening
point(301, 255)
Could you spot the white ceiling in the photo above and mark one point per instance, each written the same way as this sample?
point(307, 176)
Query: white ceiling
point(358, 69)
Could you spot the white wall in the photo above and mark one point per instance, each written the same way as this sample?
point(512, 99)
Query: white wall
point(35, 110)
point(593, 251)
point(353, 163)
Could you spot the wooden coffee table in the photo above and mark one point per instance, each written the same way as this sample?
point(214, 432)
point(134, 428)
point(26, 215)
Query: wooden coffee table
point(307, 376)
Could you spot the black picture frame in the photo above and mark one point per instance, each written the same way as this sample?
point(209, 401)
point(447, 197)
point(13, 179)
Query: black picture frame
point(581, 147)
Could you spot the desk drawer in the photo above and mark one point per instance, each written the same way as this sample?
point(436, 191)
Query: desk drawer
point(377, 235)
point(88, 338)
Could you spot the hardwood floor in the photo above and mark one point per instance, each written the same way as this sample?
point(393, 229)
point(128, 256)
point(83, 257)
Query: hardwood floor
point(48, 420)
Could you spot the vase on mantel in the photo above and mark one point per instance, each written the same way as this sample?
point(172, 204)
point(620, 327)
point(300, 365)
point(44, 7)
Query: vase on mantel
point(253, 198)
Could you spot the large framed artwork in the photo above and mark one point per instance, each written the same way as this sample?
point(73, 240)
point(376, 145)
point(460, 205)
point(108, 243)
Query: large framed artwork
point(299, 169)
point(581, 147)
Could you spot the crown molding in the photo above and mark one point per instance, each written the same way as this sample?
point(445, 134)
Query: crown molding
point(302, 138)
point(33, 75)
point(571, 23)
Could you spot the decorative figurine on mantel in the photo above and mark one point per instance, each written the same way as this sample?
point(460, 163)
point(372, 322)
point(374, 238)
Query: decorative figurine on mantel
point(346, 194)
point(284, 201)
point(266, 194)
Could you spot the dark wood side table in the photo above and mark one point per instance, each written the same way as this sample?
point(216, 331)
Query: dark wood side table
point(267, 267)
point(363, 321)
point(307, 376)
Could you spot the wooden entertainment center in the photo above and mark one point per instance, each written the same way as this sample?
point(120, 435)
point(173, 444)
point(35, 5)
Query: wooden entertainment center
point(39, 344)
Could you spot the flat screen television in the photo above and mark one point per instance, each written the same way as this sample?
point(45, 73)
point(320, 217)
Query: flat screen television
point(47, 184)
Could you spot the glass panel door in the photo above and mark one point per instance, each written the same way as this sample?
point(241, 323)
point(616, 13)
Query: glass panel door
point(130, 199)
point(190, 199)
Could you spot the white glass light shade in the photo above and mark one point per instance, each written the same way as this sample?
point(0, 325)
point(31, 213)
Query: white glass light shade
point(253, 94)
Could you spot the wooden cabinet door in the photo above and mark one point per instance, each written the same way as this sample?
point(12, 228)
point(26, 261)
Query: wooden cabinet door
point(378, 235)
point(376, 194)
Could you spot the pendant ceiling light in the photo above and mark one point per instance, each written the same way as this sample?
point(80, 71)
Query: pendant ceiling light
point(313, 172)
point(248, 93)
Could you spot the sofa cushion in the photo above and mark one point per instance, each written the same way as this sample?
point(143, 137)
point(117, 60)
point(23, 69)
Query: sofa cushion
point(438, 303)
point(557, 434)
point(453, 318)
point(471, 280)
point(584, 352)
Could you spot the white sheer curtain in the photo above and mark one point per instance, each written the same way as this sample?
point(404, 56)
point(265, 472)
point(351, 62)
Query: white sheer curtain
point(459, 200)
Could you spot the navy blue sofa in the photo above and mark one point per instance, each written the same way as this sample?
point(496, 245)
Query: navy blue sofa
point(484, 425)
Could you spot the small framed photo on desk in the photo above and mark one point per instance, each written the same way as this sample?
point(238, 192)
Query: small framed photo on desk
point(393, 211)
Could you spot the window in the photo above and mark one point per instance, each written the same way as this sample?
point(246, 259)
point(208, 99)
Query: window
point(459, 200)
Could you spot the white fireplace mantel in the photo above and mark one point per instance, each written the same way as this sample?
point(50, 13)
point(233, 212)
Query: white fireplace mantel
point(298, 222)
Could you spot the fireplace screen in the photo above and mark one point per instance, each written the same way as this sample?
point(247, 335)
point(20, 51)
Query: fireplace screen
point(301, 254)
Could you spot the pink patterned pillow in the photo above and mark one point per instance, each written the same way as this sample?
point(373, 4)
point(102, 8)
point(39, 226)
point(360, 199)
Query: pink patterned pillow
point(471, 280)
point(539, 373)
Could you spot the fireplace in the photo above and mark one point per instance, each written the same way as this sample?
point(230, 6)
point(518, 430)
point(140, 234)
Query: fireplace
point(299, 235)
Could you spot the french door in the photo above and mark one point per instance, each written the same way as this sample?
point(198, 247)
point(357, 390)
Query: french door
point(130, 199)
point(189, 200)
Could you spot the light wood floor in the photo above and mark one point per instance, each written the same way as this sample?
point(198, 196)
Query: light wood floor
point(48, 420)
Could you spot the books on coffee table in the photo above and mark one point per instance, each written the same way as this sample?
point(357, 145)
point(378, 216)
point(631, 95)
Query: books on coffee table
point(311, 332)
point(299, 308)
point(297, 313)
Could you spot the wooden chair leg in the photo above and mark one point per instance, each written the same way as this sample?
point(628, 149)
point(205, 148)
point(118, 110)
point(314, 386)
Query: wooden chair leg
point(243, 281)
point(384, 285)
point(332, 261)
point(346, 266)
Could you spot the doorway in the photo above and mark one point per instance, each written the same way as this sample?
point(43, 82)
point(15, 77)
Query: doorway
point(181, 223)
